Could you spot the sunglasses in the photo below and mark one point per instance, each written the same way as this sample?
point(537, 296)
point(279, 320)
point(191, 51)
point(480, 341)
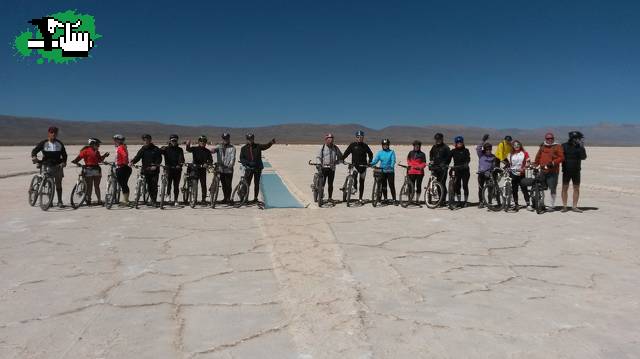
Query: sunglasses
point(549, 138)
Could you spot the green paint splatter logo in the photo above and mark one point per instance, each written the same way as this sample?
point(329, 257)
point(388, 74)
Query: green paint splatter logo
point(59, 38)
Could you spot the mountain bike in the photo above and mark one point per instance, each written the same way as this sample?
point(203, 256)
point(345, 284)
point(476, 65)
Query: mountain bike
point(349, 188)
point(142, 191)
point(451, 190)
point(433, 189)
point(214, 188)
point(538, 185)
point(112, 196)
point(492, 195)
point(376, 192)
point(42, 186)
point(507, 189)
point(79, 191)
point(408, 191)
point(317, 185)
point(191, 184)
point(240, 193)
point(164, 181)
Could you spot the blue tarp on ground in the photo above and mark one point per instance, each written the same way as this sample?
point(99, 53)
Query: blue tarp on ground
point(276, 194)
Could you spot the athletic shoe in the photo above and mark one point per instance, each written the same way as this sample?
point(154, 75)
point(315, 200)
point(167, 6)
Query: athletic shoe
point(564, 209)
point(60, 205)
point(576, 209)
point(529, 208)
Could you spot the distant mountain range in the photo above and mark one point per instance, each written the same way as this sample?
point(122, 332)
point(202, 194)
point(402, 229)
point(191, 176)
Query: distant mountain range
point(28, 130)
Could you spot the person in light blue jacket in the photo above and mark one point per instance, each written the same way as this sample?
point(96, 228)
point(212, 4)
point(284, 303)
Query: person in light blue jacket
point(387, 158)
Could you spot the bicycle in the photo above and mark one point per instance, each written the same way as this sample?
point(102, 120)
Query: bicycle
point(79, 191)
point(190, 184)
point(507, 189)
point(433, 189)
point(240, 193)
point(376, 192)
point(408, 191)
point(349, 188)
point(42, 186)
point(112, 196)
point(214, 188)
point(317, 185)
point(451, 190)
point(492, 194)
point(538, 185)
point(142, 191)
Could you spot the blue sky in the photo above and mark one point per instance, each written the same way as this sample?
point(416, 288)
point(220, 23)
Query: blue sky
point(504, 63)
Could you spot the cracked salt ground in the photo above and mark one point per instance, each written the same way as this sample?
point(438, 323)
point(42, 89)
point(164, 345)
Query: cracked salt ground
point(320, 283)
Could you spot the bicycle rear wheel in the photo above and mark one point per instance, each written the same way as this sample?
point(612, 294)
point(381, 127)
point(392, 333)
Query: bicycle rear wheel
point(46, 194)
point(213, 191)
point(433, 194)
point(33, 189)
point(79, 194)
point(240, 194)
point(492, 197)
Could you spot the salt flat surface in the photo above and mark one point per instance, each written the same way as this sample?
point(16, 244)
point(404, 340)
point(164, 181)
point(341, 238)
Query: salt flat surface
point(335, 282)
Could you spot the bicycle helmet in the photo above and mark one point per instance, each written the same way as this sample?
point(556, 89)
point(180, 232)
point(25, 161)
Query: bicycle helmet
point(173, 137)
point(486, 146)
point(458, 139)
point(250, 136)
point(386, 142)
point(575, 135)
point(417, 143)
point(226, 136)
point(146, 136)
point(93, 141)
point(202, 139)
point(508, 138)
point(118, 137)
point(359, 133)
point(438, 136)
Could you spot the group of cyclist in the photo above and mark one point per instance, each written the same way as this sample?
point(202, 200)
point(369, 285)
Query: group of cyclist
point(54, 156)
point(510, 156)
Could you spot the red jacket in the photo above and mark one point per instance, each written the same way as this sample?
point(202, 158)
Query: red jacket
point(417, 161)
point(90, 156)
point(122, 156)
point(550, 156)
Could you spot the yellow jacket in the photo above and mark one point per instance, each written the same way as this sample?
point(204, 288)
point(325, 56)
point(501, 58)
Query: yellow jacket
point(504, 149)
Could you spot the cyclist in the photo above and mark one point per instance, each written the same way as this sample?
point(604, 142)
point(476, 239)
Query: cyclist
point(174, 159)
point(123, 171)
point(504, 149)
point(486, 163)
point(574, 153)
point(201, 156)
point(461, 158)
point(361, 155)
point(251, 157)
point(92, 158)
point(417, 161)
point(440, 157)
point(518, 159)
point(549, 157)
point(328, 156)
point(226, 158)
point(151, 157)
point(387, 158)
point(55, 155)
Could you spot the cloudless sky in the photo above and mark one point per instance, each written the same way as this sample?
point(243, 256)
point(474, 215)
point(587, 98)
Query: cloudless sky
point(510, 63)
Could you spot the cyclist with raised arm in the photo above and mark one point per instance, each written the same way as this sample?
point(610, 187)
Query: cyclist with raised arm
point(504, 149)
point(201, 157)
point(387, 158)
point(417, 161)
point(518, 160)
point(574, 154)
point(461, 159)
point(151, 157)
point(440, 157)
point(487, 161)
point(549, 158)
point(92, 158)
point(361, 155)
point(226, 158)
point(251, 158)
point(123, 171)
point(328, 156)
point(54, 155)
point(173, 159)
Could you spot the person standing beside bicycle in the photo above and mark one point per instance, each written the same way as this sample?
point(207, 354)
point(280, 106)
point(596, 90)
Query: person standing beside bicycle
point(123, 171)
point(328, 156)
point(487, 161)
point(361, 155)
point(518, 160)
point(226, 158)
point(549, 158)
point(417, 161)
point(92, 158)
point(54, 155)
point(251, 158)
point(439, 158)
point(151, 157)
point(574, 153)
point(174, 160)
point(504, 149)
point(461, 159)
point(387, 158)
point(201, 157)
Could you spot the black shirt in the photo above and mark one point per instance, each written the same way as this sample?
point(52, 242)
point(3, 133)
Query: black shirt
point(573, 156)
point(360, 152)
point(461, 158)
point(251, 155)
point(173, 155)
point(151, 155)
point(440, 155)
point(201, 155)
point(53, 153)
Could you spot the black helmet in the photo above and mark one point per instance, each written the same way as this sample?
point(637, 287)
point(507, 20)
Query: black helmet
point(575, 135)
point(118, 137)
point(173, 137)
point(508, 138)
point(417, 143)
point(438, 136)
point(93, 141)
point(202, 139)
point(146, 136)
point(487, 146)
point(226, 136)
point(386, 141)
point(250, 136)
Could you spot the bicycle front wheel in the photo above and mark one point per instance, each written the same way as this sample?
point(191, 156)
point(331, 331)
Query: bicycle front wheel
point(33, 190)
point(320, 190)
point(213, 191)
point(110, 195)
point(507, 197)
point(406, 194)
point(163, 191)
point(347, 191)
point(193, 196)
point(240, 194)
point(79, 194)
point(46, 194)
point(492, 197)
point(139, 194)
point(452, 195)
point(433, 195)
point(376, 193)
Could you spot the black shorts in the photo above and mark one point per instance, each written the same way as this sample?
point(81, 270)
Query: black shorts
point(572, 176)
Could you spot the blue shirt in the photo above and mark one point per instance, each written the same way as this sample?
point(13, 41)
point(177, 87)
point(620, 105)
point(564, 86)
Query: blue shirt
point(387, 159)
